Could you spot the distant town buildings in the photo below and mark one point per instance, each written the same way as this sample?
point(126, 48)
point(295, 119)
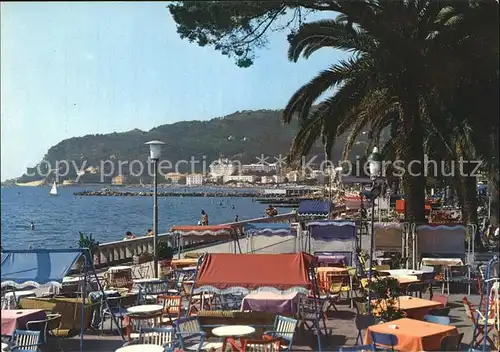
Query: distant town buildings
point(260, 167)
point(194, 180)
point(174, 177)
point(119, 180)
point(239, 178)
point(223, 167)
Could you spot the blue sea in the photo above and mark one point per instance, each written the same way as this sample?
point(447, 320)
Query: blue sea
point(58, 219)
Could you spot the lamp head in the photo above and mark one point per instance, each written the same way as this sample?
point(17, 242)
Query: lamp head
point(155, 149)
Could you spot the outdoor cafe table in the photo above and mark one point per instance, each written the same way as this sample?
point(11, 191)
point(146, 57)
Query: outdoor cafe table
point(145, 309)
point(271, 302)
point(16, 319)
point(5, 347)
point(414, 307)
point(234, 331)
point(140, 348)
point(402, 272)
point(413, 335)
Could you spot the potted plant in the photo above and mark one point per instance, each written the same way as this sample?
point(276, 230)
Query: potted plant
point(165, 256)
point(91, 244)
point(385, 293)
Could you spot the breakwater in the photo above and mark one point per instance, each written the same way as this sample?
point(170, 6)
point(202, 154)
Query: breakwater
point(116, 193)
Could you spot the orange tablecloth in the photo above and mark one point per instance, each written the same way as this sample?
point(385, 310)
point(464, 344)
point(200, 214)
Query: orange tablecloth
point(414, 307)
point(323, 272)
point(413, 335)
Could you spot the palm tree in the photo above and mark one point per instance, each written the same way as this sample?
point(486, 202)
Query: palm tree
point(396, 64)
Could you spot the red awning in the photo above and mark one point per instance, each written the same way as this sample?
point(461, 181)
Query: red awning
point(197, 231)
point(252, 271)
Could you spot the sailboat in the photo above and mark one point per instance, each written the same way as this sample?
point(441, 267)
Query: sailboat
point(53, 190)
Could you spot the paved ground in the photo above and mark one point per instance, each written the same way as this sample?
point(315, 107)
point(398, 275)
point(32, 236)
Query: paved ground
point(341, 328)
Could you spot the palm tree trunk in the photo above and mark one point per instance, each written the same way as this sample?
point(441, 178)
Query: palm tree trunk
point(469, 188)
point(412, 154)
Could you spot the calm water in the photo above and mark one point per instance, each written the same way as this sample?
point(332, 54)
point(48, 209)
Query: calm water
point(58, 219)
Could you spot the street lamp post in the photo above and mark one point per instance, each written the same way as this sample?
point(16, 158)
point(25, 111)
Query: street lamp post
point(154, 154)
point(374, 162)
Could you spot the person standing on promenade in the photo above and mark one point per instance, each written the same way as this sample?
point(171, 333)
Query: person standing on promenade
point(32, 225)
point(204, 218)
point(236, 219)
point(150, 232)
point(129, 236)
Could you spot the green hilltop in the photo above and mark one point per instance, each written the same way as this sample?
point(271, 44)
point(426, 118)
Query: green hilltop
point(243, 135)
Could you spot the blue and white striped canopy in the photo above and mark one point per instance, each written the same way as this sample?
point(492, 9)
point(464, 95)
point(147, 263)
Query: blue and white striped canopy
point(269, 229)
point(311, 207)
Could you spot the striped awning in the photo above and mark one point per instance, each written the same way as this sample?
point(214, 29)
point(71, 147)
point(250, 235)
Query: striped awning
point(310, 207)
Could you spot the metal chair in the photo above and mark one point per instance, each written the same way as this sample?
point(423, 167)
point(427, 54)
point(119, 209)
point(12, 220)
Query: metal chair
point(46, 326)
point(312, 313)
point(172, 308)
point(437, 319)
point(451, 342)
point(384, 340)
point(25, 341)
point(284, 328)
point(112, 307)
point(164, 337)
point(479, 324)
point(247, 345)
point(363, 322)
point(416, 289)
point(191, 336)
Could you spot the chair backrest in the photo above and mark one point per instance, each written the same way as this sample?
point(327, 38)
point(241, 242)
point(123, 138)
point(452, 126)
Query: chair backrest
point(134, 323)
point(443, 299)
point(157, 336)
point(285, 327)
point(451, 342)
point(468, 310)
point(387, 340)
point(361, 305)
point(358, 348)
point(416, 287)
point(437, 319)
point(26, 340)
point(187, 327)
point(441, 312)
point(172, 305)
point(156, 288)
point(363, 322)
point(335, 283)
point(272, 345)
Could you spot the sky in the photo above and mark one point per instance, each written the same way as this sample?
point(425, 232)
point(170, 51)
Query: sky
point(72, 69)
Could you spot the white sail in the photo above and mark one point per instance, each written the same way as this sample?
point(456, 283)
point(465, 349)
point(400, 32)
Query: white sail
point(53, 190)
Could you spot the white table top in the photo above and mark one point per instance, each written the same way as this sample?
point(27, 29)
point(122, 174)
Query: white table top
point(120, 268)
point(140, 348)
point(5, 347)
point(20, 294)
point(147, 280)
point(189, 268)
point(145, 309)
point(402, 272)
point(233, 331)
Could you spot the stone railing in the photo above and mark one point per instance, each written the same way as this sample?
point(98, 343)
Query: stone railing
point(119, 252)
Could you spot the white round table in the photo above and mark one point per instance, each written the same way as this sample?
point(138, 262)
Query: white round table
point(140, 348)
point(233, 331)
point(5, 347)
point(189, 268)
point(145, 309)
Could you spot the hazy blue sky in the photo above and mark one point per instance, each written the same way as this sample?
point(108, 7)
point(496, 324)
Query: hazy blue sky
point(83, 68)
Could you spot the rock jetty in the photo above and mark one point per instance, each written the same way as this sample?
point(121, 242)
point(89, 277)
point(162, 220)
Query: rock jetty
point(116, 193)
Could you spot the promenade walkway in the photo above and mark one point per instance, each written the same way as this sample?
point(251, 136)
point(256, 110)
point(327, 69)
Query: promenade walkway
point(341, 328)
